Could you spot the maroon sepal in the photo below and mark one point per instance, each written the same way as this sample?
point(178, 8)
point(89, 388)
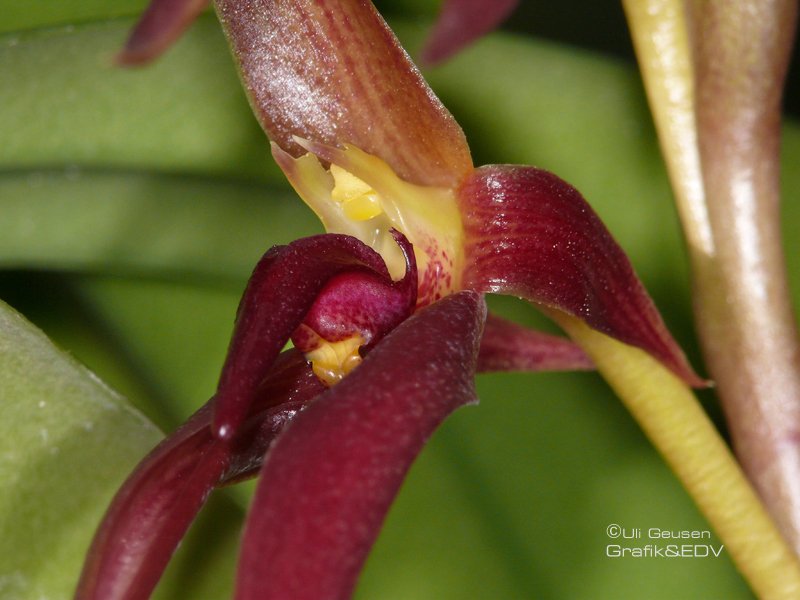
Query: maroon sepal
point(332, 71)
point(532, 235)
point(152, 511)
point(460, 23)
point(507, 346)
point(158, 28)
point(280, 294)
point(330, 477)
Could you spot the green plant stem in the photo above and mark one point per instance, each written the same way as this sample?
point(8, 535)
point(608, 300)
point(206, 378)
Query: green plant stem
point(673, 419)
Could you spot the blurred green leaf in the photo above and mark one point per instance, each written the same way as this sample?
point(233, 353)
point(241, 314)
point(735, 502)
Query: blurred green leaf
point(64, 104)
point(67, 442)
point(209, 230)
point(19, 16)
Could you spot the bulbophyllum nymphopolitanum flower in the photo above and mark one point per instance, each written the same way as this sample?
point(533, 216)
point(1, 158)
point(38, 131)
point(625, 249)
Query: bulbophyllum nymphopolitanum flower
point(386, 311)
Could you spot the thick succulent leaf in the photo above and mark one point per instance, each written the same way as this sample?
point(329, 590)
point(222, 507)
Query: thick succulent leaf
point(282, 290)
point(154, 508)
point(151, 513)
point(462, 22)
point(506, 346)
point(328, 481)
point(530, 234)
point(306, 70)
point(66, 441)
point(159, 27)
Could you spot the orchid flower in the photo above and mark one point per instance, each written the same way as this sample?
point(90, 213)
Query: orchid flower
point(386, 311)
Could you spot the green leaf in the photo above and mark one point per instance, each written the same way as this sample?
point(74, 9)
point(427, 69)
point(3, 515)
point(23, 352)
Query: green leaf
point(67, 443)
point(18, 16)
point(65, 104)
point(209, 230)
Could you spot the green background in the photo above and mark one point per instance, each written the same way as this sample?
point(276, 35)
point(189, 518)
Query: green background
point(133, 205)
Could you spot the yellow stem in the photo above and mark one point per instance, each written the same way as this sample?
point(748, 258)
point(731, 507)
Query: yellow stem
point(673, 419)
point(660, 34)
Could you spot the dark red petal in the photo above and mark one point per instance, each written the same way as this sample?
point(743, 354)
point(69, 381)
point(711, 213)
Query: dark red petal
point(330, 477)
point(154, 508)
point(530, 234)
point(158, 28)
point(461, 22)
point(333, 72)
point(507, 346)
point(281, 291)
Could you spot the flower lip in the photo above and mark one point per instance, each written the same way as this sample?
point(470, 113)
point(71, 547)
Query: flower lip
point(352, 313)
point(281, 292)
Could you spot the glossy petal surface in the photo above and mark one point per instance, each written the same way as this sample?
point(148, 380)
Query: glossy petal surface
point(530, 234)
point(159, 27)
point(333, 72)
point(506, 346)
point(330, 478)
point(461, 22)
point(158, 502)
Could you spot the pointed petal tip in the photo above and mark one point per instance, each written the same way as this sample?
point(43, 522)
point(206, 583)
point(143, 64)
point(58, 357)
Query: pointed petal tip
point(460, 23)
point(127, 58)
point(530, 234)
point(160, 26)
